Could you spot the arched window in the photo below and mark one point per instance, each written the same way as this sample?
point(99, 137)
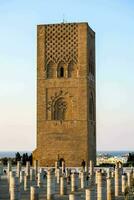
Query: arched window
point(91, 108)
point(70, 69)
point(51, 70)
point(61, 72)
point(59, 109)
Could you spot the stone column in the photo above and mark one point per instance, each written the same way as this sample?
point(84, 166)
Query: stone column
point(117, 182)
point(83, 179)
point(92, 173)
point(109, 173)
point(63, 185)
point(11, 174)
point(27, 183)
point(124, 181)
point(91, 168)
point(101, 187)
point(91, 181)
point(50, 186)
point(14, 189)
point(67, 172)
point(9, 167)
point(9, 178)
point(58, 174)
point(90, 195)
point(129, 179)
point(112, 174)
point(36, 166)
point(63, 167)
point(79, 174)
point(32, 175)
point(73, 182)
point(56, 165)
point(27, 168)
point(110, 189)
point(34, 193)
point(40, 180)
point(96, 177)
point(72, 197)
point(22, 173)
point(18, 168)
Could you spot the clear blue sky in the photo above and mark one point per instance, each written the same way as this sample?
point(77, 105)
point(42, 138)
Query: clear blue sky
point(113, 22)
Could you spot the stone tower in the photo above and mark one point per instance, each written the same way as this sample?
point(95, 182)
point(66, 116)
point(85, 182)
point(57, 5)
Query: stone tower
point(66, 94)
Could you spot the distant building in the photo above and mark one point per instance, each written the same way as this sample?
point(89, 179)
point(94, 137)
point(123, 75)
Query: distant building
point(66, 94)
point(111, 160)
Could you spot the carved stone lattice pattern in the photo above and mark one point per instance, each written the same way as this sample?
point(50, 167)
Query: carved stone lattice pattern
point(61, 43)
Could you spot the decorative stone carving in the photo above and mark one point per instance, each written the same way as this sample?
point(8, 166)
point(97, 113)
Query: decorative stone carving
point(58, 105)
point(61, 43)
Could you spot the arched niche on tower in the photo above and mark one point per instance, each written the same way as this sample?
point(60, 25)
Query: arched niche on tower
point(91, 107)
point(61, 105)
point(59, 109)
point(51, 69)
point(72, 69)
point(61, 70)
point(91, 67)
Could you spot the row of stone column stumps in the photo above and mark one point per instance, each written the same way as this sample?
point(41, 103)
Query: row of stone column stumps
point(62, 183)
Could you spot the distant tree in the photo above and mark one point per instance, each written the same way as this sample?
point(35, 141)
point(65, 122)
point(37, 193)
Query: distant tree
point(130, 160)
point(4, 160)
point(30, 159)
point(17, 157)
point(107, 165)
point(130, 157)
point(24, 159)
point(27, 157)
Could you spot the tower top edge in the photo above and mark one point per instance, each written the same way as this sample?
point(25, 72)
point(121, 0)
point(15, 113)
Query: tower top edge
point(66, 24)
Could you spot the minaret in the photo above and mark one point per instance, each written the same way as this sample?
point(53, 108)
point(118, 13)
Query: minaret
point(66, 94)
